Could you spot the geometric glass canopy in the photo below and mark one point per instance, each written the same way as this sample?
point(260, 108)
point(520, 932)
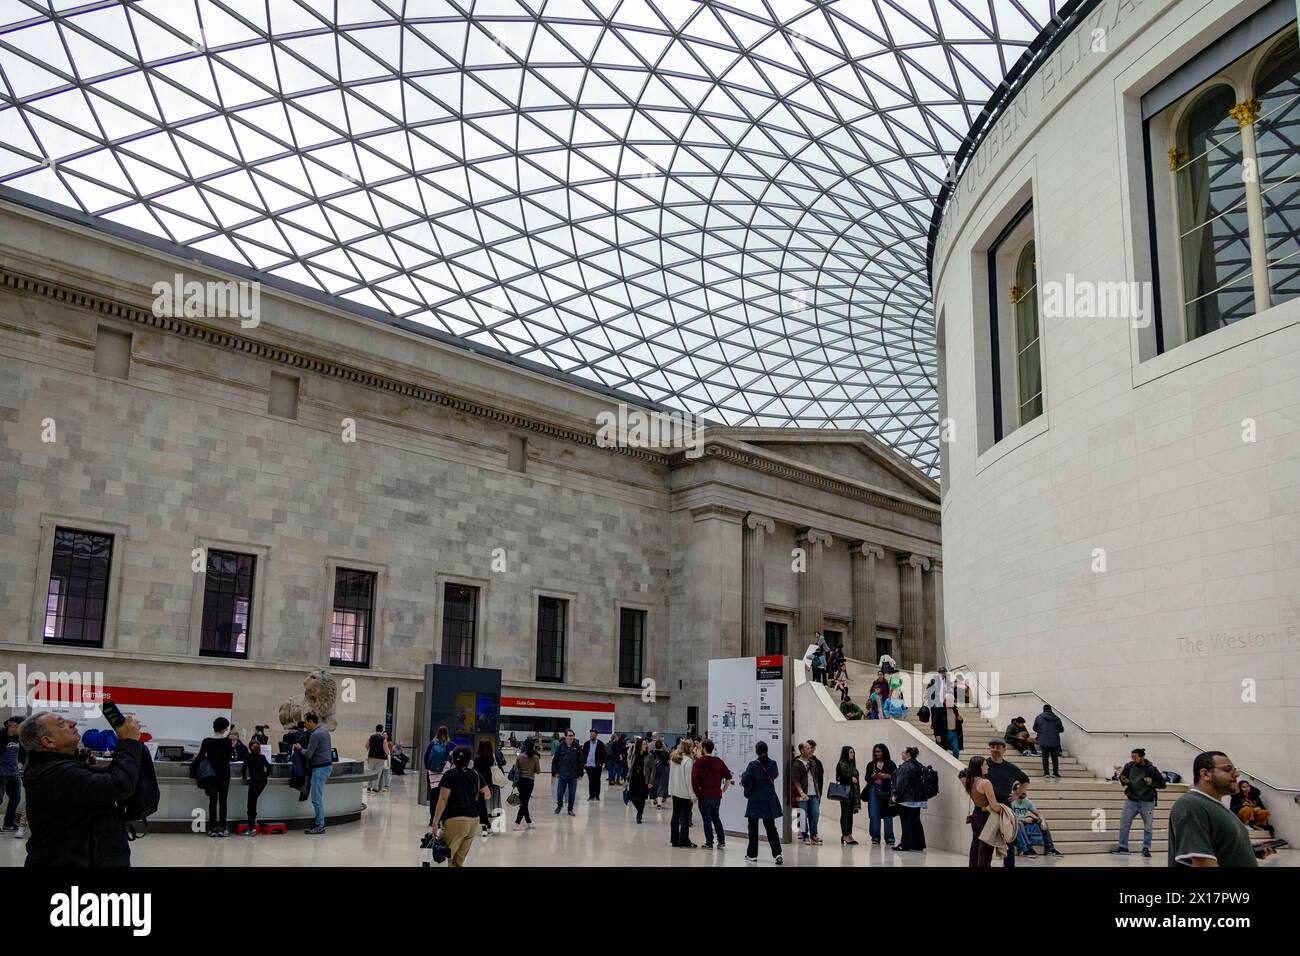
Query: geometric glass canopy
point(722, 207)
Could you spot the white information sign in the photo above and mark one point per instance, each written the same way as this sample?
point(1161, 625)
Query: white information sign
point(747, 704)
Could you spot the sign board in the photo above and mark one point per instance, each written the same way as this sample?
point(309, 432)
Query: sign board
point(165, 716)
point(749, 701)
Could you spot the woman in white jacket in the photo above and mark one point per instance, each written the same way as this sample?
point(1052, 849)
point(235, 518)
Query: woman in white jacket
point(679, 788)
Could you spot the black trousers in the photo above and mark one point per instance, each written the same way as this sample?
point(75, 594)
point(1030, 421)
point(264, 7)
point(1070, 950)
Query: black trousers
point(846, 819)
point(255, 788)
point(593, 781)
point(525, 789)
point(981, 853)
point(218, 792)
point(638, 800)
point(913, 836)
point(13, 789)
point(680, 825)
point(1055, 754)
point(433, 802)
point(773, 838)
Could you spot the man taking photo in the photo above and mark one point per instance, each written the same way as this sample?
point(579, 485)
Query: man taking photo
point(72, 807)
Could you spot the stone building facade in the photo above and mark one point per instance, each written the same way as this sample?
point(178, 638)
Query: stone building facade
point(319, 440)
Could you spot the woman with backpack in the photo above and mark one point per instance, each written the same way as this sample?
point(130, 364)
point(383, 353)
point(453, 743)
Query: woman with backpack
point(758, 782)
point(909, 797)
point(437, 757)
point(460, 792)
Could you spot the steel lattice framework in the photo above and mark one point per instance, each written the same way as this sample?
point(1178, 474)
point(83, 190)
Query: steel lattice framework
point(721, 207)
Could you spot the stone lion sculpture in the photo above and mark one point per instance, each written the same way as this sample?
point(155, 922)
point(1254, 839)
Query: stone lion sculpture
point(319, 694)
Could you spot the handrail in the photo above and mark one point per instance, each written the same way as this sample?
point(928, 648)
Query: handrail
point(966, 669)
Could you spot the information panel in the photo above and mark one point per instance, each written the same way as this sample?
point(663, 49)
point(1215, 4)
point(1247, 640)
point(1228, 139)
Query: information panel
point(748, 702)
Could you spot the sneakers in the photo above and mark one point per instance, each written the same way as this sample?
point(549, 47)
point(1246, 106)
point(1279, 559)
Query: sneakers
point(1146, 852)
point(708, 846)
point(530, 824)
point(314, 830)
point(816, 841)
point(1030, 852)
point(751, 859)
point(778, 861)
point(1120, 849)
point(721, 845)
point(1055, 852)
point(518, 827)
point(8, 828)
point(572, 814)
point(557, 808)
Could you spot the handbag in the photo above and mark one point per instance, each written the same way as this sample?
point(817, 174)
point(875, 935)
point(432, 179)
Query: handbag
point(499, 777)
point(839, 791)
point(627, 795)
point(203, 773)
point(513, 775)
point(513, 799)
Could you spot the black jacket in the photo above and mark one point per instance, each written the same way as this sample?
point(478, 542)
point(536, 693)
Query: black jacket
point(600, 753)
point(939, 726)
point(73, 810)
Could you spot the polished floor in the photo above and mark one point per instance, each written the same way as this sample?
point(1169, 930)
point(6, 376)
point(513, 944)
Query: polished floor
point(603, 833)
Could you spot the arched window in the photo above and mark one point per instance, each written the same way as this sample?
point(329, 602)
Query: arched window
point(1213, 223)
point(1029, 366)
point(1277, 143)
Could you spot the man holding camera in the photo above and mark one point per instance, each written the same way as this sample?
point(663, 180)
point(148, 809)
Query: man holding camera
point(72, 807)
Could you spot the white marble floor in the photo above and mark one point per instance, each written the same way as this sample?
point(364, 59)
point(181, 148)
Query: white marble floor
point(603, 833)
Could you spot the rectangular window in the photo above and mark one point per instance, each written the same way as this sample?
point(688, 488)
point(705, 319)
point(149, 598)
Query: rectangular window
point(551, 614)
point(833, 638)
point(227, 604)
point(353, 620)
point(884, 648)
point(631, 647)
point(774, 639)
point(77, 594)
point(459, 620)
point(1014, 333)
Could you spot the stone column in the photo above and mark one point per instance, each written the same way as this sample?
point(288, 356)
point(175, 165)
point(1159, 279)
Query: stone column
point(752, 629)
point(713, 586)
point(934, 645)
point(912, 593)
point(810, 588)
point(862, 639)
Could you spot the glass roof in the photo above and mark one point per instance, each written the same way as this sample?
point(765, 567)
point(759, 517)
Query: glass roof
point(721, 207)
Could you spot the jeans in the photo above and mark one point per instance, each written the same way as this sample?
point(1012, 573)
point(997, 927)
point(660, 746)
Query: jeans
point(811, 813)
point(566, 787)
point(13, 790)
point(773, 838)
point(876, 803)
point(953, 745)
point(1133, 808)
point(525, 788)
point(680, 826)
point(612, 771)
point(1055, 754)
point(712, 820)
point(318, 777)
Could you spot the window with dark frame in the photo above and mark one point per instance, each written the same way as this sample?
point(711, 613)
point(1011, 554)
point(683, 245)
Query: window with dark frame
point(551, 615)
point(459, 620)
point(227, 604)
point(631, 647)
point(77, 594)
point(352, 623)
point(774, 639)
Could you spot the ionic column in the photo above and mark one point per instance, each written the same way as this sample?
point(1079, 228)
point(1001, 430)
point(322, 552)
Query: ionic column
point(810, 586)
point(912, 592)
point(862, 639)
point(752, 631)
point(934, 647)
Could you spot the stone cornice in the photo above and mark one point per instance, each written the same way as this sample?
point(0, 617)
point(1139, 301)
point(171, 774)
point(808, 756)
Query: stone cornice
point(294, 358)
point(722, 450)
point(814, 479)
point(705, 512)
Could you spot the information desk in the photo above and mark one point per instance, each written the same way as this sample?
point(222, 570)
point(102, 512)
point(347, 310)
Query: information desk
point(180, 797)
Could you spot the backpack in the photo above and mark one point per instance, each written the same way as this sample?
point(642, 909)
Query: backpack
point(927, 782)
point(143, 803)
point(923, 714)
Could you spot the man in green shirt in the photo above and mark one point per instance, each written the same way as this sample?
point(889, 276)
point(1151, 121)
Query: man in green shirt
point(1202, 831)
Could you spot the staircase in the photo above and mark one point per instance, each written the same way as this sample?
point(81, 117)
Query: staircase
point(1067, 804)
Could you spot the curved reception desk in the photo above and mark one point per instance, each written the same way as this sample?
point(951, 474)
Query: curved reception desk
point(181, 803)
